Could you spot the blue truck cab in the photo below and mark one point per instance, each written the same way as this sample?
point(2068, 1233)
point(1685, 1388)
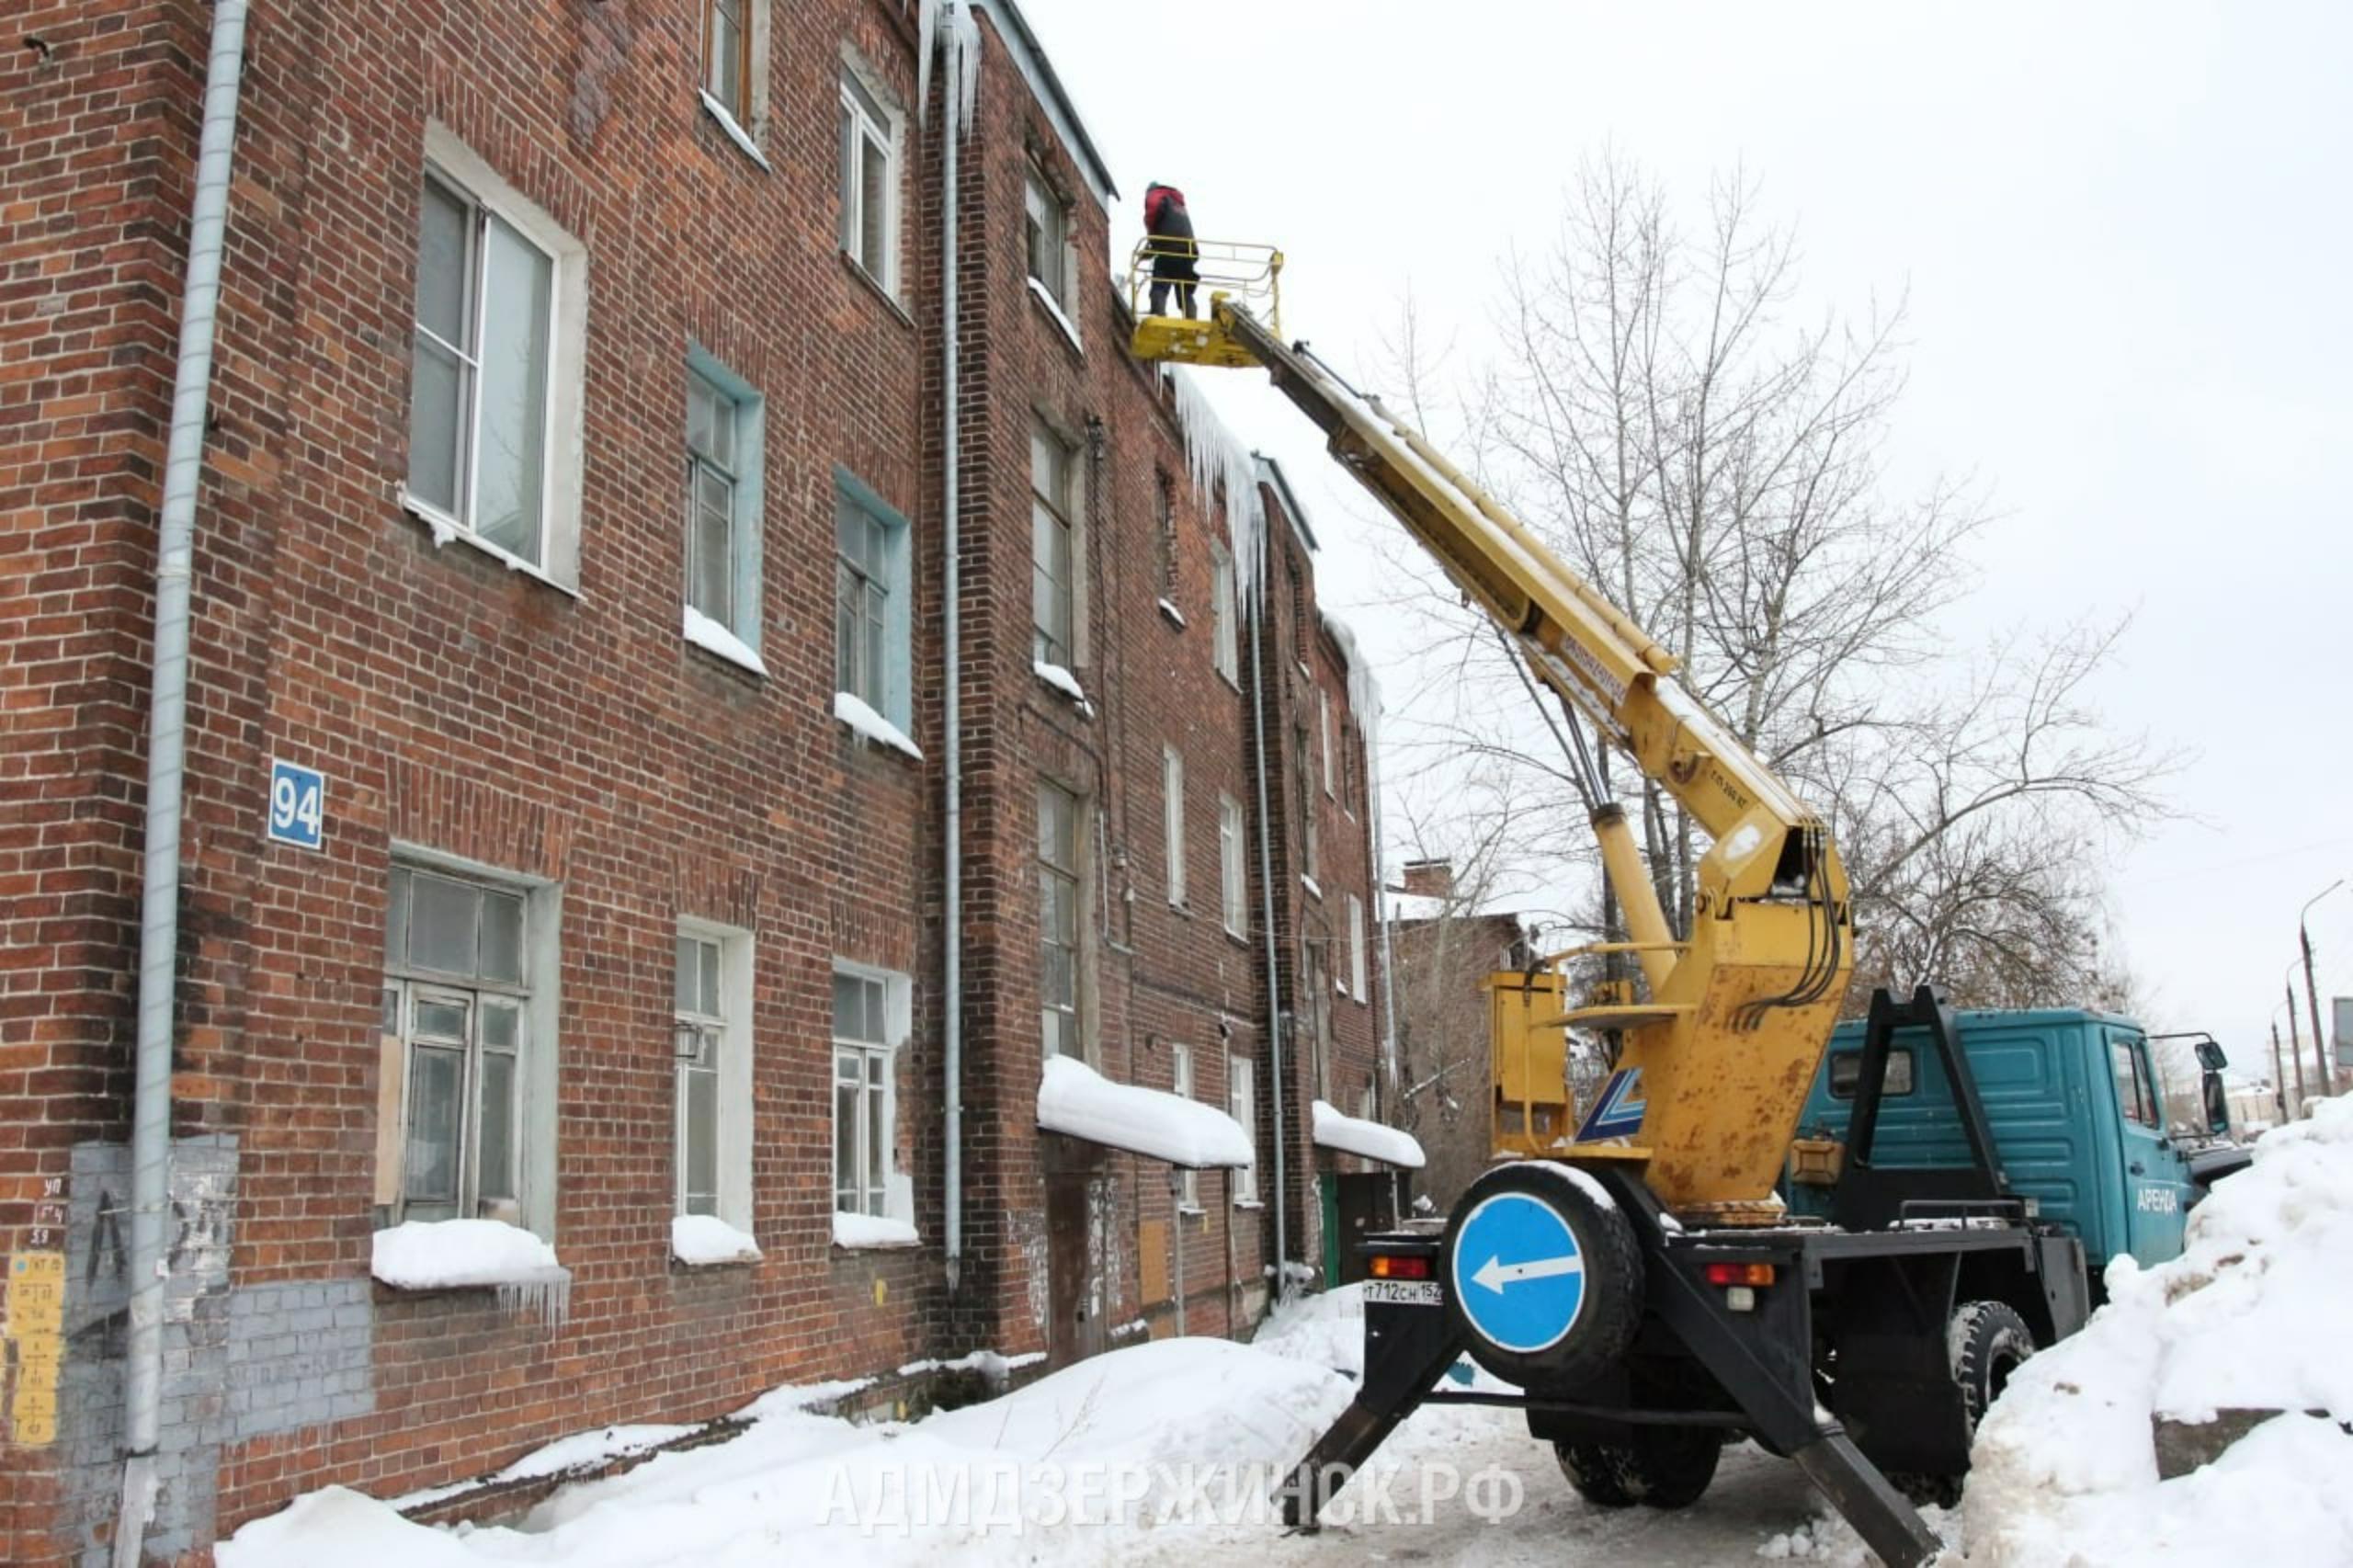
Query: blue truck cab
point(2073, 1106)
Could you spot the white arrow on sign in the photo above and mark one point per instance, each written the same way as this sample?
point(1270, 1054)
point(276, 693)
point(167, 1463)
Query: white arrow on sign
point(1496, 1274)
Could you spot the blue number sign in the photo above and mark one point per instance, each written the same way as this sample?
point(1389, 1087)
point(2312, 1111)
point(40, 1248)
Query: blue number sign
point(1518, 1273)
point(297, 804)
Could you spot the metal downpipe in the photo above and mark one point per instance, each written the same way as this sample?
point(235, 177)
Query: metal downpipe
point(1267, 893)
point(951, 131)
point(151, 1132)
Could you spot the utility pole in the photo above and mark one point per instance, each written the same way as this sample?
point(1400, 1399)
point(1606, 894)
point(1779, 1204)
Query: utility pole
point(2295, 1048)
point(2279, 1076)
point(2312, 994)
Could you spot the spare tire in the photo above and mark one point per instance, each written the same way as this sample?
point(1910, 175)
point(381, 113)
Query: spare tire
point(1543, 1275)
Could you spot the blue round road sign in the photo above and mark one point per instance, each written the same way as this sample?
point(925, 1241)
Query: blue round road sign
point(1518, 1273)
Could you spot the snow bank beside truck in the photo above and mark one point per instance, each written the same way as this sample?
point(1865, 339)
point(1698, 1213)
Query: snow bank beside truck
point(2250, 1317)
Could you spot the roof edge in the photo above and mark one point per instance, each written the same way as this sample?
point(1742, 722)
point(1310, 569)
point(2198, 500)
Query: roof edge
point(1029, 57)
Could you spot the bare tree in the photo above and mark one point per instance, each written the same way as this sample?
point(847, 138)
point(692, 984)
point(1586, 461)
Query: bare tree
point(1717, 467)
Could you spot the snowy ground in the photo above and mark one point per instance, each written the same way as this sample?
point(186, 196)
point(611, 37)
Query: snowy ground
point(1167, 1452)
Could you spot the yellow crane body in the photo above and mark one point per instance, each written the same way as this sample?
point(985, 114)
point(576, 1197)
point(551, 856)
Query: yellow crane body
point(1718, 1056)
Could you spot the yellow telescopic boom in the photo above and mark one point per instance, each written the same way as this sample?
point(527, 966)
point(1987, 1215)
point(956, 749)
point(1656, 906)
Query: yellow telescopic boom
point(1719, 1057)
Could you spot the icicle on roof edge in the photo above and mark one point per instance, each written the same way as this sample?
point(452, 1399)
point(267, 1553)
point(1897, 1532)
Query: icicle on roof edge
point(1364, 687)
point(1213, 458)
point(963, 36)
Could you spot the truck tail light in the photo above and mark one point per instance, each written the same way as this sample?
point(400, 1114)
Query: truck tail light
point(1740, 1274)
point(1387, 1265)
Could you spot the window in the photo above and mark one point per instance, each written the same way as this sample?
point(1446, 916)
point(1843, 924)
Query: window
point(1164, 533)
point(722, 500)
point(455, 995)
point(871, 1019)
point(2135, 1094)
point(1223, 642)
point(1180, 1066)
point(1172, 811)
point(1300, 764)
point(1356, 986)
point(1242, 1104)
point(1349, 769)
point(1846, 1071)
point(1232, 878)
point(712, 1009)
point(1331, 742)
point(494, 365)
point(728, 56)
point(1046, 232)
point(869, 182)
point(1058, 920)
point(1053, 553)
point(873, 622)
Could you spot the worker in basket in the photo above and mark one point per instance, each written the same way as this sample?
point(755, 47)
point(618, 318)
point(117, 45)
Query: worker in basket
point(1175, 257)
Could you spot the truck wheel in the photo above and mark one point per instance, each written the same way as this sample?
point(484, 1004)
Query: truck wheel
point(1543, 1275)
point(1663, 1467)
point(1988, 1341)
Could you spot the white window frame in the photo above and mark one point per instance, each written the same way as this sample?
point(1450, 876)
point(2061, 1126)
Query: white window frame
point(743, 122)
point(1241, 1096)
point(748, 411)
point(1045, 225)
point(1180, 1070)
point(1358, 980)
point(1234, 879)
point(1225, 648)
point(1075, 875)
point(1172, 815)
point(534, 1123)
point(866, 119)
point(1055, 644)
point(464, 174)
point(728, 1044)
point(894, 1191)
point(1325, 737)
point(890, 691)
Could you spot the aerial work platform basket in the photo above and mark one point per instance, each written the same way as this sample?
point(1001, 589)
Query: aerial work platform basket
point(1248, 275)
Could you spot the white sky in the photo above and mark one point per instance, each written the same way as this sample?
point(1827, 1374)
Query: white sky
point(2125, 232)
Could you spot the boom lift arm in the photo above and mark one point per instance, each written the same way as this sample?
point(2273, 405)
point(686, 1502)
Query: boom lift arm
point(1718, 1059)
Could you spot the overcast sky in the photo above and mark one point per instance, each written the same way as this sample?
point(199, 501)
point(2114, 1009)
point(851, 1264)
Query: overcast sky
point(2124, 234)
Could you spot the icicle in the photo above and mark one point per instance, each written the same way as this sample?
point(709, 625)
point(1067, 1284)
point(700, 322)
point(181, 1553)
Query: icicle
point(1213, 458)
point(966, 32)
point(926, 29)
point(547, 1297)
point(1364, 690)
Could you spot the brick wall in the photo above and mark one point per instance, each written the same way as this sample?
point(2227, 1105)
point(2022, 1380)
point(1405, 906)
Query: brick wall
point(568, 736)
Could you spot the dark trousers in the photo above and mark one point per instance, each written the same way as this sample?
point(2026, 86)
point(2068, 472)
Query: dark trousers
point(1160, 287)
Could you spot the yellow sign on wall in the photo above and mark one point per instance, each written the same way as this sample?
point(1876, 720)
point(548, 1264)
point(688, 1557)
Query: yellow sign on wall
point(33, 1329)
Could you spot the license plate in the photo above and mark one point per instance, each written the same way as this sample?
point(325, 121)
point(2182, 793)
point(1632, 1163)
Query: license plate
point(1403, 1293)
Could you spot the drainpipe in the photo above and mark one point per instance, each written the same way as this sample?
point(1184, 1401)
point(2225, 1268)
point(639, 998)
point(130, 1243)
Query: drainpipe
point(952, 653)
point(151, 1131)
point(1267, 890)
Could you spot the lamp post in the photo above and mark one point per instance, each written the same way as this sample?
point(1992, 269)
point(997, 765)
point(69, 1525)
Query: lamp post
point(2312, 992)
point(2295, 1035)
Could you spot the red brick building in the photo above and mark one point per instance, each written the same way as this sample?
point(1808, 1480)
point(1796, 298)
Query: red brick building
point(572, 507)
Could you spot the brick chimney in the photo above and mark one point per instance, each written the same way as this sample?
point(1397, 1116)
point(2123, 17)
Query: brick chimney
point(1430, 879)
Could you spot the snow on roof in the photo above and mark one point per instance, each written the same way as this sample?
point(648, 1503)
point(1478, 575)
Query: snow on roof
point(1354, 1135)
point(1415, 906)
point(2250, 1316)
point(1074, 1099)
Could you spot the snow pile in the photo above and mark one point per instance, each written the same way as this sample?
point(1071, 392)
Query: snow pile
point(872, 1231)
point(1175, 1414)
point(1323, 1330)
point(2250, 1316)
point(863, 719)
point(1354, 1135)
point(699, 1239)
point(1075, 1099)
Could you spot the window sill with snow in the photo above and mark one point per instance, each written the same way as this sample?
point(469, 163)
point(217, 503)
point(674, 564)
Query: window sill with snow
point(702, 1241)
point(420, 1255)
point(861, 1232)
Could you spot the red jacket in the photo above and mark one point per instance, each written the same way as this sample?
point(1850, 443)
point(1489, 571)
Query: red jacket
point(1156, 202)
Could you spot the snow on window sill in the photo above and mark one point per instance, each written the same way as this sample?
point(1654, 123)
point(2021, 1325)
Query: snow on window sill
point(873, 726)
point(712, 638)
point(1231, 678)
point(1054, 307)
point(1172, 612)
point(701, 1241)
point(858, 1233)
point(1249, 1203)
point(735, 132)
point(462, 1255)
point(1061, 680)
point(1191, 1211)
point(1310, 885)
point(446, 530)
